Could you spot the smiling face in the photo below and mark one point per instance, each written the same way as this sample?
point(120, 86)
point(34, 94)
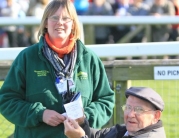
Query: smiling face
point(135, 122)
point(59, 29)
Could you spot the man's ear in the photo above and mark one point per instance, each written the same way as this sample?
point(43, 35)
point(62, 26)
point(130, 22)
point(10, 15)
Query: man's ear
point(157, 115)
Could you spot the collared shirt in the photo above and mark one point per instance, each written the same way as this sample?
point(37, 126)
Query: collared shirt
point(126, 134)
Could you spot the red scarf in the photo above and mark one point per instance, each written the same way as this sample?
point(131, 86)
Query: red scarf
point(61, 51)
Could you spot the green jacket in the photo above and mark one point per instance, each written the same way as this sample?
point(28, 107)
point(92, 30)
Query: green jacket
point(29, 89)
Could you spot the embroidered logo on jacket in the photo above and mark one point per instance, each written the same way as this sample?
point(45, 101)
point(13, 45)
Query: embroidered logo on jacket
point(82, 75)
point(41, 73)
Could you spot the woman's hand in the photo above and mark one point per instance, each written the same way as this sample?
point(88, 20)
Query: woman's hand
point(52, 117)
point(72, 129)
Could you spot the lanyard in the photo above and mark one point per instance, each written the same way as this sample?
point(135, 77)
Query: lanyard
point(62, 68)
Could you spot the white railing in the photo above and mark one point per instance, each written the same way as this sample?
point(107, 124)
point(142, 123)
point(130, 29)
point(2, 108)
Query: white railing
point(115, 50)
point(96, 20)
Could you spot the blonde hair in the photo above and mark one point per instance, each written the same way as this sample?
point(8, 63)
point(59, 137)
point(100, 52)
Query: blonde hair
point(51, 8)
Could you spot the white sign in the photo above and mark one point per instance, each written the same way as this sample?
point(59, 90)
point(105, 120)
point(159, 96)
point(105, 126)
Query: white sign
point(166, 73)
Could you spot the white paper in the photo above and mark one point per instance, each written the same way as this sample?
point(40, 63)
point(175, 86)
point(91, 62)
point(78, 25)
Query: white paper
point(74, 109)
point(80, 101)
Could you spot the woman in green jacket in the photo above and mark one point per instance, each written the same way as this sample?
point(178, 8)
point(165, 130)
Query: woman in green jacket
point(31, 96)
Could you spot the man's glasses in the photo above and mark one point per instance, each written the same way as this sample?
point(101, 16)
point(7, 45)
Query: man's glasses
point(55, 18)
point(137, 109)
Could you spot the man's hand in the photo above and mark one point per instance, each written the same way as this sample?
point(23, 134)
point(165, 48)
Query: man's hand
point(81, 120)
point(52, 117)
point(72, 129)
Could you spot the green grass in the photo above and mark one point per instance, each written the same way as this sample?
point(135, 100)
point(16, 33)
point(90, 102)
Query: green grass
point(169, 90)
point(1, 82)
point(6, 128)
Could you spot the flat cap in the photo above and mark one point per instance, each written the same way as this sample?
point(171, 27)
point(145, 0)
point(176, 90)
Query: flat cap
point(146, 94)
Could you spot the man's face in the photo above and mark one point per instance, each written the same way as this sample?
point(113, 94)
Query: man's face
point(135, 122)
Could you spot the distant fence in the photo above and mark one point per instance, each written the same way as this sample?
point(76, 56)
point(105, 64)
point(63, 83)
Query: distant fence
point(88, 23)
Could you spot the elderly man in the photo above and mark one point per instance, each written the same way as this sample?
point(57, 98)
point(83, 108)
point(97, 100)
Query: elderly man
point(142, 113)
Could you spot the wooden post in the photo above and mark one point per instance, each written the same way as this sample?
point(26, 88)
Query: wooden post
point(89, 36)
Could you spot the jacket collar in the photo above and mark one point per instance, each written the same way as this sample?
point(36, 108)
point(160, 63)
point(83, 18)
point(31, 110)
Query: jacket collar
point(146, 129)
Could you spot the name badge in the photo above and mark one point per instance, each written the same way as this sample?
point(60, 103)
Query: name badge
point(61, 85)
